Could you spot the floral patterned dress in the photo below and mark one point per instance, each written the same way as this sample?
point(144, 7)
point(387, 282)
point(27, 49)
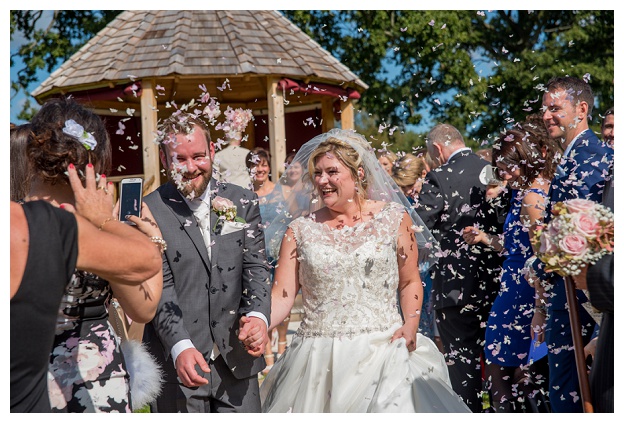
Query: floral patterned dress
point(87, 372)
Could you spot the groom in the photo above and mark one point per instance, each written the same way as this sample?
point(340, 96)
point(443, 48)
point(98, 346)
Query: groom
point(216, 287)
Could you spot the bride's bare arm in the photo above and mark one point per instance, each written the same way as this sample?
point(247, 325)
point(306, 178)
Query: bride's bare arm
point(410, 285)
point(286, 283)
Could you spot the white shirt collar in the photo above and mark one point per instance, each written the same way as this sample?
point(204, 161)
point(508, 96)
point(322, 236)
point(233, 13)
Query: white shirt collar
point(193, 204)
point(566, 153)
point(456, 152)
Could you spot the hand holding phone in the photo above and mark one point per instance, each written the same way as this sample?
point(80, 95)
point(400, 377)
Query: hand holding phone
point(130, 198)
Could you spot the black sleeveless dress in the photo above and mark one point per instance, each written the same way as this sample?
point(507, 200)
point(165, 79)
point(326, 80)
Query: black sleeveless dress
point(52, 254)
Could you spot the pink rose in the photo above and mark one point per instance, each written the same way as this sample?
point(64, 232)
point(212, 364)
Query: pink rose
point(586, 224)
point(574, 244)
point(579, 205)
point(553, 228)
point(546, 244)
point(221, 204)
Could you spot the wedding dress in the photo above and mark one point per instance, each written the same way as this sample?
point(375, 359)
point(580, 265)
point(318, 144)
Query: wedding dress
point(341, 358)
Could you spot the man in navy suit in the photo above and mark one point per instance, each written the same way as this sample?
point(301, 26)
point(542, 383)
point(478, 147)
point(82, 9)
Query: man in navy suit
point(567, 104)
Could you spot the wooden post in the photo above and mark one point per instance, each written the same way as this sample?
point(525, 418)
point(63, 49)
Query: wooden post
point(277, 128)
point(149, 121)
point(327, 113)
point(577, 340)
point(347, 118)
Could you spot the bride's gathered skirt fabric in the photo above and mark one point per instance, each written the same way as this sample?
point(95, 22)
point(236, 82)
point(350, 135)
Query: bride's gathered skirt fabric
point(365, 374)
point(341, 359)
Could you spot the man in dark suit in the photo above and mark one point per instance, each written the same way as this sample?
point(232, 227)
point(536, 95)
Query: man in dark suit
point(216, 287)
point(598, 281)
point(567, 103)
point(464, 287)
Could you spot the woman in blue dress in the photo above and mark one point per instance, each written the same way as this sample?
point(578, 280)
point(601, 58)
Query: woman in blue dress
point(524, 158)
point(271, 201)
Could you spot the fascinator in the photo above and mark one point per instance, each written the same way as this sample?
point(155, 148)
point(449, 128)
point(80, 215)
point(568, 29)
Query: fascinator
point(380, 187)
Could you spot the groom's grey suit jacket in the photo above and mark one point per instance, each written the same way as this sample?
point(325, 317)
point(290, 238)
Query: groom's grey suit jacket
point(203, 299)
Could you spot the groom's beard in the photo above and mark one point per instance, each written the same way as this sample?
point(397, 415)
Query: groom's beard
point(190, 188)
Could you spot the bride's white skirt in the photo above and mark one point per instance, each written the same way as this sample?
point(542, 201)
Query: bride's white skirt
point(362, 374)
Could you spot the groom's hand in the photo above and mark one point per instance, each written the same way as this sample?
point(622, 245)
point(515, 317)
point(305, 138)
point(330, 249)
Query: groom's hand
point(185, 366)
point(253, 333)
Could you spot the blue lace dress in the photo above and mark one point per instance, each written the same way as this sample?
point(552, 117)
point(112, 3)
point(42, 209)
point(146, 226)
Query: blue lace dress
point(508, 334)
point(270, 206)
point(87, 371)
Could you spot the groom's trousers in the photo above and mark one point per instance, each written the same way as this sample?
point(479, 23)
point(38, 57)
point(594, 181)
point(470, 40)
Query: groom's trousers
point(223, 394)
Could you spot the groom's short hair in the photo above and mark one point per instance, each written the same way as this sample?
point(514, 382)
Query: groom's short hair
point(179, 123)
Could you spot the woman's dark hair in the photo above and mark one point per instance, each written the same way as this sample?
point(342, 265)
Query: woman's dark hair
point(527, 146)
point(21, 135)
point(52, 150)
point(255, 156)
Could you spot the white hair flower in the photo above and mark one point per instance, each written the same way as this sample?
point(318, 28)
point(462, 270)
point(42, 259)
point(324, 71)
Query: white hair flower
point(76, 130)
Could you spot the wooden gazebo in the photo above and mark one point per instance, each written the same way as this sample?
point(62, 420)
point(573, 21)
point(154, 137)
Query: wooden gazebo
point(143, 61)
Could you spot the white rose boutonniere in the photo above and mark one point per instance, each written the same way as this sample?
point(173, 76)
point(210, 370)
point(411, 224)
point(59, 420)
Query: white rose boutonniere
point(226, 210)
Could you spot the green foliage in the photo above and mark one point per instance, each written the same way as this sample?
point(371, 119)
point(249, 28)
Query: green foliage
point(52, 37)
point(478, 72)
point(400, 140)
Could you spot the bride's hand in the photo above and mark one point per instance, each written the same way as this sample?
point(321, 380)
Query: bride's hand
point(408, 334)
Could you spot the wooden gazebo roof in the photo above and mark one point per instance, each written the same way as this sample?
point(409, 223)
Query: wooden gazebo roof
point(198, 43)
point(147, 58)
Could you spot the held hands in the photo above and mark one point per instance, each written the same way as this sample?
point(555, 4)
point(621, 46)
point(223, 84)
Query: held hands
point(473, 235)
point(590, 348)
point(580, 280)
point(409, 334)
point(253, 333)
point(185, 367)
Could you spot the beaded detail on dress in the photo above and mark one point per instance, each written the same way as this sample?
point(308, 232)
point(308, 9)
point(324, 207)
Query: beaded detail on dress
point(349, 276)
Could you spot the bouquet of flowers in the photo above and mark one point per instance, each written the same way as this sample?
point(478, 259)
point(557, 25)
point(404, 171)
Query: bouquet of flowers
point(580, 234)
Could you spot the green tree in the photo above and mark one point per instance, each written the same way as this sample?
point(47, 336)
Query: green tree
point(51, 38)
point(480, 72)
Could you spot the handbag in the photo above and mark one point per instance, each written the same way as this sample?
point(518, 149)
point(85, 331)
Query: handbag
point(146, 376)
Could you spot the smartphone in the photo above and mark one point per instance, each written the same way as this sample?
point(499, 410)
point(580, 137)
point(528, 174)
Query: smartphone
point(488, 176)
point(130, 198)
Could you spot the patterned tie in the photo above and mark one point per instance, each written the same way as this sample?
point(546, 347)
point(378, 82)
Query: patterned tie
point(201, 210)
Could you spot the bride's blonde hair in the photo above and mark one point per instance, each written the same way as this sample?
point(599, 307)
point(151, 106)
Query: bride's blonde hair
point(348, 157)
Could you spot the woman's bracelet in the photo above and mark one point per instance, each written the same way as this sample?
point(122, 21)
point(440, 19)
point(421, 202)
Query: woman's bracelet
point(108, 219)
point(161, 242)
point(541, 308)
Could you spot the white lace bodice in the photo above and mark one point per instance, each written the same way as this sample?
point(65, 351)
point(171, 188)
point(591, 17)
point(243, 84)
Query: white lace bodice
point(349, 277)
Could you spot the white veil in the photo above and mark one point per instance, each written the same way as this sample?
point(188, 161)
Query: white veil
point(304, 199)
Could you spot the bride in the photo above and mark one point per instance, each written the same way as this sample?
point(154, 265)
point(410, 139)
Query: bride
point(350, 253)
